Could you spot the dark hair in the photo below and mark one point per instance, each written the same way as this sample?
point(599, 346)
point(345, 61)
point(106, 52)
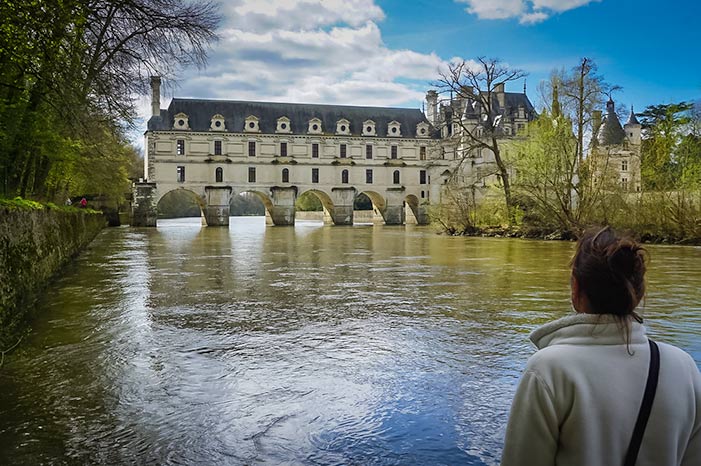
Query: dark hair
point(610, 271)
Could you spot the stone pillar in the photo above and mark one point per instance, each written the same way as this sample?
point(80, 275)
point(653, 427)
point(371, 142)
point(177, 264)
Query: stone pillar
point(143, 207)
point(216, 211)
point(342, 205)
point(394, 206)
point(283, 211)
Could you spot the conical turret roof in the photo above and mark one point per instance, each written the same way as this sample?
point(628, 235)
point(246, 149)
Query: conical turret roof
point(631, 118)
point(611, 132)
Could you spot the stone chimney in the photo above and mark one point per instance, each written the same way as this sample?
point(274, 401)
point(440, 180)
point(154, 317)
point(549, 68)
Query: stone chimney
point(432, 106)
point(499, 91)
point(155, 95)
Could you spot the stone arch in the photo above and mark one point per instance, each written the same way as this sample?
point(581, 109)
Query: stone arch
point(413, 202)
point(264, 198)
point(187, 193)
point(378, 201)
point(323, 197)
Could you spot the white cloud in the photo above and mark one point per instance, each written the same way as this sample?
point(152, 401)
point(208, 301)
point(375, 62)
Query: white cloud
point(527, 11)
point(316, 51)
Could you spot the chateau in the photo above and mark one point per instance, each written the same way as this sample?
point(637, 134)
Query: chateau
point(400, 158)
point(616, 149)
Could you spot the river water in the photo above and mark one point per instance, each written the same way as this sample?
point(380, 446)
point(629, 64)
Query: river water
point(296, 345)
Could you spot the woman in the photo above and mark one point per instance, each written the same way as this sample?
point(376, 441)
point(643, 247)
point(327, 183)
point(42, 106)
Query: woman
point(581, 394)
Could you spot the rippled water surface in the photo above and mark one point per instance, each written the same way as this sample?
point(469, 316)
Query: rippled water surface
point(304, 345)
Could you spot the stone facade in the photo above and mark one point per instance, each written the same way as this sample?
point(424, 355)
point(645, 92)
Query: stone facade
point(400, 158)
point(615, 150)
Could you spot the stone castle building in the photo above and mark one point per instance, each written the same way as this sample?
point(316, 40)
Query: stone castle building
point(400, 158)
point(615, 149)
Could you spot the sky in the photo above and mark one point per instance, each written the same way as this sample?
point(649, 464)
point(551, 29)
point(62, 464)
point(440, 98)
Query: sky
point(388, 52)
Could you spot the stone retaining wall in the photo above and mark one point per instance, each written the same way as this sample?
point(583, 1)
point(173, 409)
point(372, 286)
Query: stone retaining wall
point(35, 245)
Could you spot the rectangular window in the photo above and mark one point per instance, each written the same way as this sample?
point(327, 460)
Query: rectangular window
point(368, 176)
point(315, 175)
point(251, 174)
point(315, 151)
point(624, 165)
point(394, 152)
point(217, 147)
point(180, 173)
point(283, 149)
point(368, 151)
point(180, 147)
point(422, 153)
point(251, 148)
point(343, 151)
point(422, 176)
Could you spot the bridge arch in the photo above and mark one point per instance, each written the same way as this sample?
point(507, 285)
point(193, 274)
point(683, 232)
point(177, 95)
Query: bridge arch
point(413, 202)
point(264, 198)
point(174, 201)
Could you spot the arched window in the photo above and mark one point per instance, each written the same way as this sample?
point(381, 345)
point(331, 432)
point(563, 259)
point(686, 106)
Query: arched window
point(219, 174)
point(395, 177)
point(285, 175)
point(344, 177)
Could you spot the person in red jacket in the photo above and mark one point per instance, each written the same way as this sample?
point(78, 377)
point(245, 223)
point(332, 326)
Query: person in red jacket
point(83, 203)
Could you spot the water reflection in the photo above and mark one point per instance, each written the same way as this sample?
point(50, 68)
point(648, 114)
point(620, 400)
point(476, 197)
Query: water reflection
point(304, 345)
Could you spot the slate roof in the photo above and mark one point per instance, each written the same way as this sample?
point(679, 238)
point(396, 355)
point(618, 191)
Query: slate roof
point(512, 101)
point(611, 132)
point(632, 120)
point(201, 111)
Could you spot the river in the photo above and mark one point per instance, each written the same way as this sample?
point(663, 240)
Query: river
point(296, 345)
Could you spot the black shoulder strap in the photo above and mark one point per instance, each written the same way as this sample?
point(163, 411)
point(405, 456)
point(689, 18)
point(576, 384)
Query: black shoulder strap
point(646, 406)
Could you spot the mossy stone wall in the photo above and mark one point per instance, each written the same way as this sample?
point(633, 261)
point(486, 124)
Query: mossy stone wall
point(34, 246)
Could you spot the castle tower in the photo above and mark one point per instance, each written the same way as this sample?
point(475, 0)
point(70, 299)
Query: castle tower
point(633, 128)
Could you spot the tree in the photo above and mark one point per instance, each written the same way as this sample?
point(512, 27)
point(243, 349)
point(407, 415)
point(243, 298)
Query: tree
point(476, 84)
point(70, 71)
point(664, 126)
point(546, 163)
point(582, 91)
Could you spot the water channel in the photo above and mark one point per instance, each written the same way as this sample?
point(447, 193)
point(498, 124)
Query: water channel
point(296, 345)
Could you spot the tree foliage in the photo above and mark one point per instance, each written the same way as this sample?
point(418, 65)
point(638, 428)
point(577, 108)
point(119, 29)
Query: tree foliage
point(70, 71)
point(669, 146)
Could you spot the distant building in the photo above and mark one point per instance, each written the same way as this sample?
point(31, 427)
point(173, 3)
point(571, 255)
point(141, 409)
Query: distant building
point(398, 157)
point(452, 118)
point(615, 149)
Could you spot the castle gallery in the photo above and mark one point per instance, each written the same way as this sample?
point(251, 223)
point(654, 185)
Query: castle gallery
point(400, 158)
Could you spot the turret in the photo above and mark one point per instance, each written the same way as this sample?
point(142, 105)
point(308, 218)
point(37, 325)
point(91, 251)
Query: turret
point(556, 112)
point(632, 128)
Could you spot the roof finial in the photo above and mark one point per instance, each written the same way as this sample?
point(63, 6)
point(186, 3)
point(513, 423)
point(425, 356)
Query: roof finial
point(524, 86)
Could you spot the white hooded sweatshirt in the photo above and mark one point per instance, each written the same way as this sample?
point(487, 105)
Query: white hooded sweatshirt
point(580, 395)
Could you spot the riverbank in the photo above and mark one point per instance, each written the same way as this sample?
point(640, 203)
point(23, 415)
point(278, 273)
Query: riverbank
point(36, 241)
point(559, 235)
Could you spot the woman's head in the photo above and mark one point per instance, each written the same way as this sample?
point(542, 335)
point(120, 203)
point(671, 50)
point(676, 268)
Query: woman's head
point(608, 271)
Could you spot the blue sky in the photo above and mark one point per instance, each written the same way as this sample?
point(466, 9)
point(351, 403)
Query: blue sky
point(386, 52)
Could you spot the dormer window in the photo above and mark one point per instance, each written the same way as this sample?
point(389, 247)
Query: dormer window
point(394, 129)
point(343, 126)
point(314, 126)
point(181, 121)
point(369, 128)
point(283, 125)
point(217, 123)
point(251, 124)
point(422, 130)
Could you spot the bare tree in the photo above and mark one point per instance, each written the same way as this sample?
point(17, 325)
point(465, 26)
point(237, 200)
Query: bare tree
point(475, 84)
